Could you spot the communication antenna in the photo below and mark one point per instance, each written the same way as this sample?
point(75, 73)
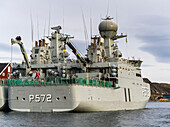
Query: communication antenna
point(37, 28)
point(85, 29)
point(49, 22)
point(90, 26)
point(63, 20)
point(32, 31)
point(11, 54)
point(44, 27)
point(126, 46)
point(107, 9)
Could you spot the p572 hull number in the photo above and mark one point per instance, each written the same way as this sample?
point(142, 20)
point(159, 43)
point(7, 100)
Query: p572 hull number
point(40, 98)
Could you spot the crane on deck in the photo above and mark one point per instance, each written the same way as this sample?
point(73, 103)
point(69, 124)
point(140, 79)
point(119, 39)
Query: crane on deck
point(66, 41)
point(18, 41)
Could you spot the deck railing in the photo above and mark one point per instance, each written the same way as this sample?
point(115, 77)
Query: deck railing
point(57, 81)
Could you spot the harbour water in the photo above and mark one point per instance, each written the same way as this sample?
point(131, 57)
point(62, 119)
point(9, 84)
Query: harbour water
point(156, 114)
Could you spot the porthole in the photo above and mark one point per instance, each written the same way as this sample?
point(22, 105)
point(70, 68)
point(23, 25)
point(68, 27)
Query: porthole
point(23, 99)
point(17, 98)
point(57, 98)
point(65, 97)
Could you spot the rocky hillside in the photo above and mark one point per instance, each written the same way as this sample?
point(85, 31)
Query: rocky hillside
point(157, 89)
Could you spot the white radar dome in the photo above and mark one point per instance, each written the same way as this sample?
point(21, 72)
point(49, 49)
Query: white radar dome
point(108, 28)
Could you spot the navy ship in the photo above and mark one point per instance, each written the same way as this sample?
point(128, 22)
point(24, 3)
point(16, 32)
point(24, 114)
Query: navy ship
point(101, 81)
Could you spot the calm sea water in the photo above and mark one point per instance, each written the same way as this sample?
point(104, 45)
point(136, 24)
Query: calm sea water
point(156, 114)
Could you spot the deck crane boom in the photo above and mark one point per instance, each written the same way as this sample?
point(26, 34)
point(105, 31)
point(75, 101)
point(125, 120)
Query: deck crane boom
point(66, 40)
point(18, 41)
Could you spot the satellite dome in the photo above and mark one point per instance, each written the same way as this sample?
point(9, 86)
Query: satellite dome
point(108, 28)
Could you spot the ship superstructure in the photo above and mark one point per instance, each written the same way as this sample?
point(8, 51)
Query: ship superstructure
point(49, 56)
point(103, 81)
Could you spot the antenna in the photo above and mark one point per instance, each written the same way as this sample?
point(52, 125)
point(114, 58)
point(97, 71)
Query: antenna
point(11, 54)
point(107, 9)
point(63, 20)
point(85, 29)
point(37, 28)
point(32, 34)
point(44, 27)
point(126, 47)
point(49, 23)
point(90, 26)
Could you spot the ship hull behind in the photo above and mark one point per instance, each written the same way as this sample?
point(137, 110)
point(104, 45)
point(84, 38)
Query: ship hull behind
point(62, 98)
point(3, 98)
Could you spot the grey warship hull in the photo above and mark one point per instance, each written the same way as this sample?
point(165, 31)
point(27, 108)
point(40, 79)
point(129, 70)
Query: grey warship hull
point(76, 97)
